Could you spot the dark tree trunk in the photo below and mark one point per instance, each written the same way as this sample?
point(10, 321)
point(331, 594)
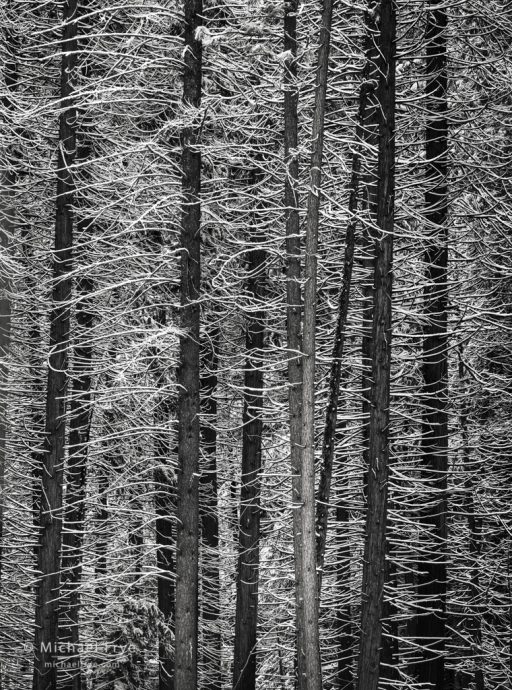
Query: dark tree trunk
point(209, 515)
point(370, 119)
point(312, 669)
point(374, 567)
point(35, 406)
point(101, 544)
point(344, 637)
point(246, 620)
point(188, 375)
point(432, 570)
point(337, 374)
point(165, 495)
point(293, 310)
point(79, 428)
point(7, 218)
point(335, 377)
point(50, 542)
point(165, 500)
point(473, 624)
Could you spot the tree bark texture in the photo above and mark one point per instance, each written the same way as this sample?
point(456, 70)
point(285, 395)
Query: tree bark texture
point(293, 308)
point(7, 217)
point(50, 539)
point(165, 495)
point(212, 645)
point(370, 143)
point(246, 617)
point(335, 376)
point(374, 565)
point(432, 570)
point(188, 375)
point(309, 584)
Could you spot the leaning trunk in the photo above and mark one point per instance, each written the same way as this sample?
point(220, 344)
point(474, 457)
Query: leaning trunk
point(335, 377)
point(374, 567)
point(370, 142)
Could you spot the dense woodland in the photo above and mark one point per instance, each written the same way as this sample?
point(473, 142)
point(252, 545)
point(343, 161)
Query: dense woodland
point(255, 345)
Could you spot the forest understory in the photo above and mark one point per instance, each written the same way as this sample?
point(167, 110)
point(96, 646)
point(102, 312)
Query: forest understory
point(255, 345)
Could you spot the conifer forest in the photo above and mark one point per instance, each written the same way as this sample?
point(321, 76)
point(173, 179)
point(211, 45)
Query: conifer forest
point(255, 345)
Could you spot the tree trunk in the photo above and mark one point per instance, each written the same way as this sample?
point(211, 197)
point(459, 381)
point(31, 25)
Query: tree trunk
point(344, 637)
point(7, 217)
point(370, 142)
point(79, 430)
point(188, 376)
point(374, 567)
point(312, 670)
point(165, 510)
point(165, 497)
point(432, 570)
point(209, 516)
point(344, 672)
point(72, 538)
point(474, 621)
point(35, 406)
point(50, 541)
point(246, 620)
point(293, 309)
point(335, 377)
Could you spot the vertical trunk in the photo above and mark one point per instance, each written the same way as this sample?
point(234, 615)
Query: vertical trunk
point(246, 620)
point(165, 500)
point(344, 644)
point(5, 346)
point(374, 567)
point(311, 641)
point(7, 216)
point(293, 301)
point(165, 510)
point(35, 410)
point(209, 516)
point(100, 526)
point(432, 571)
point(50, 542)
point(188, 376)
point(136, 542)
point(79, 428)
point(474, 621)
